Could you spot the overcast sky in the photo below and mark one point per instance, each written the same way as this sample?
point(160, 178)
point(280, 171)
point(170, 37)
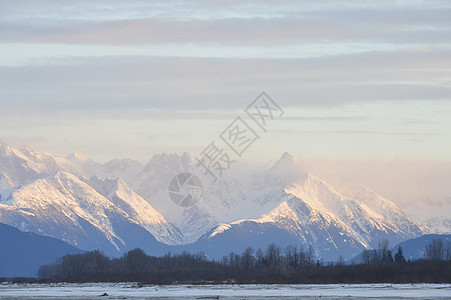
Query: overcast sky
point(129, 79)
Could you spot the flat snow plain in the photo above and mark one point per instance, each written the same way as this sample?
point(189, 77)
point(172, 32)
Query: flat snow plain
point(134, 291)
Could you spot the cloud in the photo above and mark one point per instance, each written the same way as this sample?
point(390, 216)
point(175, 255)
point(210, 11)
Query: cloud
point(129, 70)
point(325, 118)
point(174, 84)
point(392, 26)
point(358, 132)
point(226, 23)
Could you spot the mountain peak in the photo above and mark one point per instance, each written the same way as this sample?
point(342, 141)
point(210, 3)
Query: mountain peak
point(26, 149)
point(285, 170)
point(289, 161)
point(65, 176)
point(5, 150)
point(168, 160)
point(186, 157)
point(286, 156)
point(77, 156)
point(2, 142)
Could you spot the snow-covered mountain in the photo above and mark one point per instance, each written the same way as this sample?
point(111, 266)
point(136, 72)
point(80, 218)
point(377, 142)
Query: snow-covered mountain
point(419, 188)
point(64, 207)
point(16, 166)
point(313, 213)
point(137, 209)
point(282, 203)
point(217, 204)
point(23, 165)
point(124, 168)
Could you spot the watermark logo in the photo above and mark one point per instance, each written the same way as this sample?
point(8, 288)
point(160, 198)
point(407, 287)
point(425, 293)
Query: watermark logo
point(262, 110)
point(185, 189)
point(239, 136)
point(214, 160)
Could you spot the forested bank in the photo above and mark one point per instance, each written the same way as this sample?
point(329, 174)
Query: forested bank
point(273, 265)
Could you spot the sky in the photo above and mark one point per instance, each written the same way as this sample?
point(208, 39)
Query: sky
point(129, 79)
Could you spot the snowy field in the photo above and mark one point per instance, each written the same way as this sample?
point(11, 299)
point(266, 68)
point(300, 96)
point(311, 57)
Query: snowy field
point(133, 291)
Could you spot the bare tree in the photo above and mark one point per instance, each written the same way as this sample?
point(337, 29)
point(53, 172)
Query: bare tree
point(291, 256)
point(448, 251)
point(260, 258)
point(435, 251)
point(382, 249)
point(310, 255)
point(273, 258)
point(341, 260)
point(367, 257)
point(247, 260)
point(302, 257)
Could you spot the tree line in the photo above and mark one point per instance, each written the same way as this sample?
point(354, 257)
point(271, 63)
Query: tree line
point(271, 265)
point(436, 250)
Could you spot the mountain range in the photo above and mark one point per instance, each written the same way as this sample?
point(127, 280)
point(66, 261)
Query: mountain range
point(123, 204)
point(416, 248)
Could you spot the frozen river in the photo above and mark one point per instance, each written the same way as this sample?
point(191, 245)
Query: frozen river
point(133, 291)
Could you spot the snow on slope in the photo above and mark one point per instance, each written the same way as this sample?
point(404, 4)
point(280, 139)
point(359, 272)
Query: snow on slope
point(137, 209)
point(5, 182)
point(58, 206)
point(227, 200)
point(284, 195)
point(16, 165)
point(79, 164)
point(314, 212)
point(28, 165)
point(152, 184)
point(365, 212)
point(420, 188)
point(64, 207)
point(24, 165)
point(333, 216)
point(123, 168)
